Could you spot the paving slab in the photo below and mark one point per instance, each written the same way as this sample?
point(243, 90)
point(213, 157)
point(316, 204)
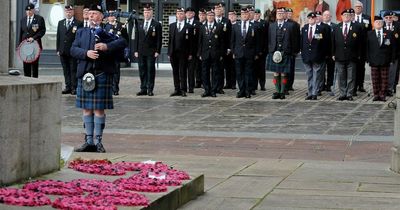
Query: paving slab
point(216, 203)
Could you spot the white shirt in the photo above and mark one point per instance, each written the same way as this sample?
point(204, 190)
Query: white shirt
point(182, 23)
point(190, 21)
point(247, 26)
point(148, 24)
point(208, 25)
point(389, 26)
point(86, 23)
point(29, 18)
point(358, 16)
point(70, 21)
point(312, 28)
point(218, 19)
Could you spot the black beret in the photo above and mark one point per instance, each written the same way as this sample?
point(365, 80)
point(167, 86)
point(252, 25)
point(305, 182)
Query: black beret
point(281, 9)
point(346, 11)
point(29, 7)
point(352, 11)
point(312, 15)
point(396, 14)
point(189, 9)
point(95, 7)
point(388, 13)
point(258, 11)
point(69, 7)
point(378, 18)
point(86, 6)
point(250, 8)
point(180, 10)
point(244, 10)
point(318, 13)
point(147, 7)
point(202, 11)
point(232, 11)
point(289, 10)
point(210, 12)
point(219, 5)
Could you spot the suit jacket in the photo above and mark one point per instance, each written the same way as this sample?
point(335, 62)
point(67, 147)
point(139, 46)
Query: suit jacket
point(210, 42)
point(366, 22)
point(248, 46)
point(180, 41)
point(196, 29)
point(314, 51)
point(262, 29)
point(380, 55)
point(150, 43)
point(36, 30)
point(65, 36)
point(396, 33)
point(107, 61)
point(349, 49)
point(227, 32)
point(296, 30)
point(289, 38)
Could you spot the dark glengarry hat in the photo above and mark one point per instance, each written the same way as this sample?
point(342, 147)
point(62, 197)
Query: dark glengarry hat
point(289, 10)
point(352, 11)
point(388, 13)
point(312, 15)
point(210, 12)
point(378, 18)
point(318, 13)
point(396, 14)
point(244, 10)
point(29, 7)
point(281, 9)
point(346, 11)
point(95, 7)
point(219, 5)
point(189, 9)
point(69, 7)
point(232, 12)
point(250, 8)
point(258, 11)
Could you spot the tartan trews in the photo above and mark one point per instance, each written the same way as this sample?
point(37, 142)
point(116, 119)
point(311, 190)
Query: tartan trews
point(379, 75)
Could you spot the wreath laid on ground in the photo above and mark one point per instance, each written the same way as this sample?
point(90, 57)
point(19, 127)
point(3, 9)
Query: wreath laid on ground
point(96, 194)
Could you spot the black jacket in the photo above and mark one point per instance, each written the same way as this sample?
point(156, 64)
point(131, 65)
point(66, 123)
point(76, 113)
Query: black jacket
point(248, 46)
point(349, 49)
point(380, 55)
point(290, 37)
point(150, 43)
point(210, 42)
point(180, 41)
point(36, 30)
point(227, 32)
point(65, 36)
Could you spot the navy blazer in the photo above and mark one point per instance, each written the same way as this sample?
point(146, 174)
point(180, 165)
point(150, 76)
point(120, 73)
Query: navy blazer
point(28, 31)
point(65, 36)
point(107, 61)
point(248, 46)
point(349, 49)
point(380, 55)
point(150, 43)
point(290, 38)
point(316, 50)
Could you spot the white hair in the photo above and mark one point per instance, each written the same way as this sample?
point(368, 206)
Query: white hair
point(358, 3)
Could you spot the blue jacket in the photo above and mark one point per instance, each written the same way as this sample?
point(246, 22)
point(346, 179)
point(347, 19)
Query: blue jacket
point(107, 61)
point(317, 50)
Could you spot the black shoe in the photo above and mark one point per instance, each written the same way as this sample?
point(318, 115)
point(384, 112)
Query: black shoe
point(197, 86)
point(73, 92)
point(176, 93)
point(116, 93)
point(361, 89)
point(248, 95)
point(141, 93)
point(319, 94)
point(282, 96)
point(221, 92)
point(275, 95)
point(309, 98)
point(350, 98)
point(342, 98)
point(66, 91)
point(376, 98)
point(355, 94)
point(205, 94)
point(100, 148)
point(314, 98)
point(286, 92)
point(183, 94)
point(240, 95)
point(150, 93)
point(213, 95)
point(226, 87)
point(263, 89)
point(382, 99)
point(253, 92)
point(389, 93)
point(291, 89)
point(191, 91)
point(328, 89)
point(86, 148)
point(233, 87)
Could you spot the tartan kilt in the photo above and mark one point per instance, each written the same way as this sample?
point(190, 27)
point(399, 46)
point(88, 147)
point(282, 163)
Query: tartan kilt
point(100, 97)
point(282, 67)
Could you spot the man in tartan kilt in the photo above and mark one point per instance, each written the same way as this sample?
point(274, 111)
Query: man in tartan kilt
point(100, 60)
point(380, 53)
point(282, 40)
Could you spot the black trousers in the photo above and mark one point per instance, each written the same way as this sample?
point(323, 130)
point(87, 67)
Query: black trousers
point(330, 72)
point(259, 72)
point(147, 72)
point(179, 62)
point(31, 69)
point(224, 67)
point(192, 65)
point(244, 72)
point(230, 72)
point(69, 68)
point(291, 74)
point(198, 73)
point(116, 78)
point(210, 84)
point(360, 74)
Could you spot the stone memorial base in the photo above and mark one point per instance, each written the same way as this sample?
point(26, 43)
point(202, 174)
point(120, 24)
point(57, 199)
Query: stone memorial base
point(395, 166)
point(395, 163)
point(30, 128)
